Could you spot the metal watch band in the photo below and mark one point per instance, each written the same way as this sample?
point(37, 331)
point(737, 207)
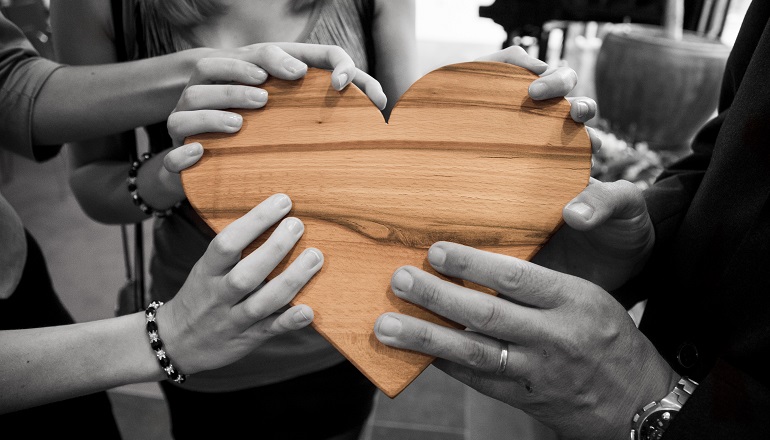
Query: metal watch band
point(672, 403)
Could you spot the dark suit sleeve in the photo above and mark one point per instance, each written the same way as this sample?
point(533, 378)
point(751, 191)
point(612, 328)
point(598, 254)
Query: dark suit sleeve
point(728, 404)
point(668, 201)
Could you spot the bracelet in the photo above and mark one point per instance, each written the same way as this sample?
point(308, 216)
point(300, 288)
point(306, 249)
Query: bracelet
point(157, 344)
point(136, 198)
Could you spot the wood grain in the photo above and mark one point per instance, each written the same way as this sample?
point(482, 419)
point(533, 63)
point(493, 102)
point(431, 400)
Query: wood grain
point(466, 157)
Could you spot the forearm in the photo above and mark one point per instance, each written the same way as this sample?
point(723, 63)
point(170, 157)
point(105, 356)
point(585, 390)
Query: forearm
point(82, 102)
point(44, 365)
point(101, 189)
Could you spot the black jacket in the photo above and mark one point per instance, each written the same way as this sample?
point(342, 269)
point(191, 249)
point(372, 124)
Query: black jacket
point(708, 282)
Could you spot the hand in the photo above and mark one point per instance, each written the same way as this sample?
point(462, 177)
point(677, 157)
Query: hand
point(607, 236)
point(575, 360)
point(223, 311)
point(225, 83)
point(554, 82)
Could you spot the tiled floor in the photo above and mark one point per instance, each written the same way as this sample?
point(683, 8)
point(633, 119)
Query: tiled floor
point(86, 265)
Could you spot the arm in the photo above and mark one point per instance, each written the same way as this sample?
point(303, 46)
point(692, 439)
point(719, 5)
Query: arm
point(132, 94)
point(395, 47)
point(214, 320)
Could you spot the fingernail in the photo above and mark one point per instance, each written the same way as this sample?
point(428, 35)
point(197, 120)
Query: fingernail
point(582, 109)
point(257, 74)
point(300, 317)
point(402, 281)
point(293, 65)
point(282, 201)
point(436, 256)
point(295, 226)
point(582, 210)
point(193, 149)
point(233, 120)
point(257, 95)
point(537, 90)
point(389, 326)
point(310, 258)
point(342, 79)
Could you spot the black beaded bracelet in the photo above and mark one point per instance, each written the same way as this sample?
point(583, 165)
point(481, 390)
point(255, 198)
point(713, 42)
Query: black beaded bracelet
point(136, 198)
point(157, 344)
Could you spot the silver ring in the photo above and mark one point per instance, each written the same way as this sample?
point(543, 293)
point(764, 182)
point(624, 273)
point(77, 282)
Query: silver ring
point(503, 360)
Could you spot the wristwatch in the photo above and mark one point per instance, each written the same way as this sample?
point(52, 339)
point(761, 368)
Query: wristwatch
point(652, 421)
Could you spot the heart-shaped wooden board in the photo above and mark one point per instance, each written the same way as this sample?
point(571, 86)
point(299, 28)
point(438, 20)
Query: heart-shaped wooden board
point(466, 157)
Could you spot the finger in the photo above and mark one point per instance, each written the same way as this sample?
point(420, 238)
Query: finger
point(221, 96)
point(582, 109)
point(181, 158)
point(596, 141)
point(519, 280)
point(227, 70)
point(252, 270)
point(274, 60)
point(470, 349)
point(601, 201)
point(372, 88)
point(282, 289)
point(225, 249)
point(553, 85)
point(497, 386)
point(517, 56)
point(188, 123)
point(295, 318)
point(477, 311)
point(329, 57)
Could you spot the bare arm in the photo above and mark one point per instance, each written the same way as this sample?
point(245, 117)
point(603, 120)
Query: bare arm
point(395, 47)
point(213, 321)
point(38, 364)
point(103, 98)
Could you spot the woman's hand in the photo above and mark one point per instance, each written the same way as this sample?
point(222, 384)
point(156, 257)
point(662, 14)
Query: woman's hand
point(218, 84)
point(554, 82)
point(556, 346)
point(225, 309)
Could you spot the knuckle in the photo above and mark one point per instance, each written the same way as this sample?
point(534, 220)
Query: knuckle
point(569, 77)
point(476, 355)
point(174, 124)
point(517, 51)
point(238, 282)
point(423, 336)
point(190, 96)
point(204, 66)
point(511, 277)
point(233, 92)
point(290, 283)
point(278, 246)
point(268, 50)
point(489, 315)
point(430, 294)
point(224, 245)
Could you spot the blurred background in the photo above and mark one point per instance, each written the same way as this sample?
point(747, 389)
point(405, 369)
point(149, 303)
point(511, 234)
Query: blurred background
point(637, 58)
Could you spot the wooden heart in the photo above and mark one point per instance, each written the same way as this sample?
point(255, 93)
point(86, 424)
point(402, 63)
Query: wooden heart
point(466, 157)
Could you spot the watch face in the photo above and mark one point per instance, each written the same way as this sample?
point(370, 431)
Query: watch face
point(655, 425)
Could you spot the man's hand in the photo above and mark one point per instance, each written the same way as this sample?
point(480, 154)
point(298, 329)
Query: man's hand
point(554, 345)
point(607, 238)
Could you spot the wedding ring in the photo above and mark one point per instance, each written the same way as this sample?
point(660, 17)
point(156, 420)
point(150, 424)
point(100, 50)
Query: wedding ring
point(503, 359)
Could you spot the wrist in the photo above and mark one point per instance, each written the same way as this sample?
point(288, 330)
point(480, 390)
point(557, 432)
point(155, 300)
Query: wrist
point(160, 195)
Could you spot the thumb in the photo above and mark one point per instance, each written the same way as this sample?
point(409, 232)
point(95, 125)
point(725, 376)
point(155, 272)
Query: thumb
point(181, 158)
point(602, 201)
